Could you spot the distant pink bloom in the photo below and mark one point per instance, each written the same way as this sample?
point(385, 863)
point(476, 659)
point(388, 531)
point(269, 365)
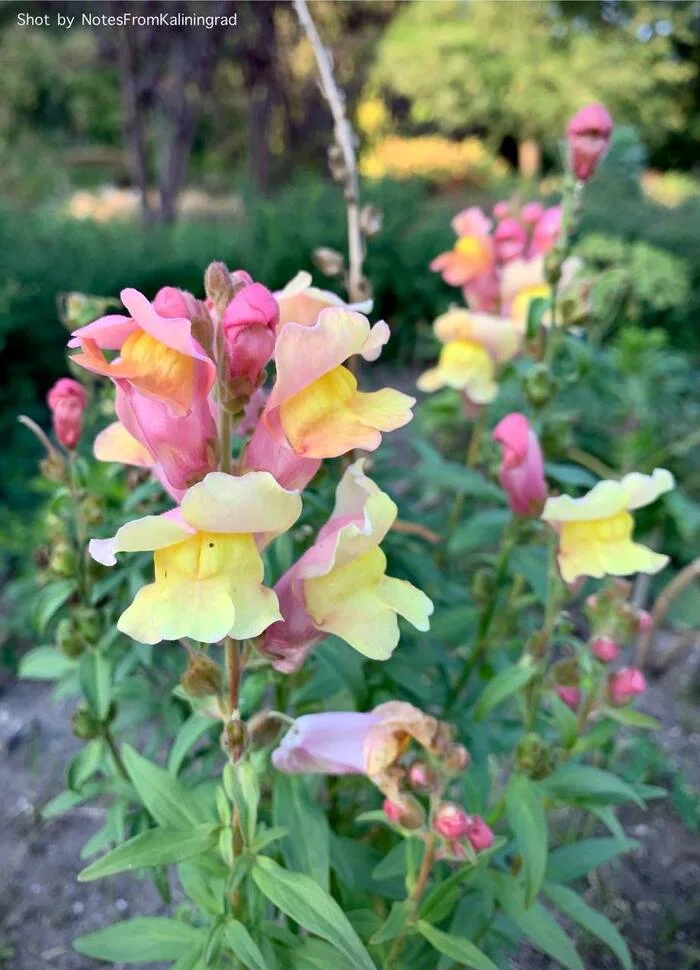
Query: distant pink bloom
point(626, 684)
point(501, 209)
point(479, 834)
point(522, 469)
point(483, 293)
point(605, 649)
point(451, 821)
point(509, 240)
point(67, 400)
point(472, 254)
point(570, 695)
point(392, 811)
point(471, 222)
point(248, 327)
point(588, 134)
point(546, 233)
point(531, 213)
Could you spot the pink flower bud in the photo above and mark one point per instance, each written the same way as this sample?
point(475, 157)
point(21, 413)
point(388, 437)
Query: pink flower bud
point(531, 213)
point(546, 232)
point(522, 470)
point(626, 684)
point(588, 135)
point(591, 602)
point(645, 621)
point(421, 776)
point(509, 239)
point(605, 649)
point(67, 400)
point(570, 695)
point(479, 834)
point(451, 821)
point(501, 209)
point(392, 811)
point(173, 303)
point(249, 331)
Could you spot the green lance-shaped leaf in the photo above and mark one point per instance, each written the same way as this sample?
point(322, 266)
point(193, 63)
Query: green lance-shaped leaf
point(244, 947)
point(571, 904)
point(528, 821)
point(166, 798)
point(45, 663)
point(303, 900)
point(457, 948)
point(570, 862)
point(537, 924)
point(189, 733)
point(143, 940)
point(155, 847)
point(504, 685)
point(294, 809)
point(587, 783)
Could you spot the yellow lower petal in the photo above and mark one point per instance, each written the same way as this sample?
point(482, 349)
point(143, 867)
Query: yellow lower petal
point(465, 366)
point(159, 371)
point(330, 417)
point(407, 600)
point(604, 547)
point(174, 608)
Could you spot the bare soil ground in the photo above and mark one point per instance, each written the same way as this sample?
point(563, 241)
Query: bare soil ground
point(653, 895)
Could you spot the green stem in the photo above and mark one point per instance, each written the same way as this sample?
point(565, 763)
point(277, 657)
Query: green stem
point(550, 618)
point(470, 460)
point(233, 672)
point(114, 751)
point(80, 527)
point(414, 900)
point(592, 463)
point(482, 635)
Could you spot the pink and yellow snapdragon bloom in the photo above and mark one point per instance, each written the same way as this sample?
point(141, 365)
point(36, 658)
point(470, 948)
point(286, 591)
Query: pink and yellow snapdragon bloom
point(595, 530)
point(475, 344)
point(301, 302)
point(208, 570)
point(347, 742)
point(158, 356)
point(163, 378)
point(340, 584)
point(315, 406)
point(473, 253)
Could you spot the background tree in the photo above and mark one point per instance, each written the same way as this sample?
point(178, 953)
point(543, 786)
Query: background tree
point(518, 69)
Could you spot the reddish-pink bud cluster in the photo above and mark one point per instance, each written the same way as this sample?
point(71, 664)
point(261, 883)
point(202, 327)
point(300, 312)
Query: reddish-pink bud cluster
point(605, 649)
point(588, 135)
point(453, 823)
point(570, 695)
point(67, 400)
point(248, 326)
point(626, 684)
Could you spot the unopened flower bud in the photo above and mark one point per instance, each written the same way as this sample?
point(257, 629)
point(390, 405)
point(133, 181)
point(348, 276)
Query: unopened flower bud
point(63, 560)
point(570, 695)
point(218, 286)
point(533, 757)
point(645, 621)
point(540, 386)
point(421, 776)
point(456, 759)
point(248, 326)
point(202, 677)
point(591, 602)
point(264, 728)
point(411, 814)
point(67, 401)
point(329, 261)
point(605, 649)
point(483, 585)
point(234, 739)
point(84, 725)
point(501, 209)
point(553, 263)
point(88, 622)
point(68, 640)
point(93, 511)
point(479, 834)
point(626, 684)
point(53, 468)
point(451, 821)
point(588, 135)
point(371, 220)
point(392, 811)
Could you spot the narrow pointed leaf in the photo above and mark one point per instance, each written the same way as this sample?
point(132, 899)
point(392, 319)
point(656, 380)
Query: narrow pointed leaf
point(244, 947)
point(457, 948)
point(571, 904)
point(155, 847)
point(143, 940)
